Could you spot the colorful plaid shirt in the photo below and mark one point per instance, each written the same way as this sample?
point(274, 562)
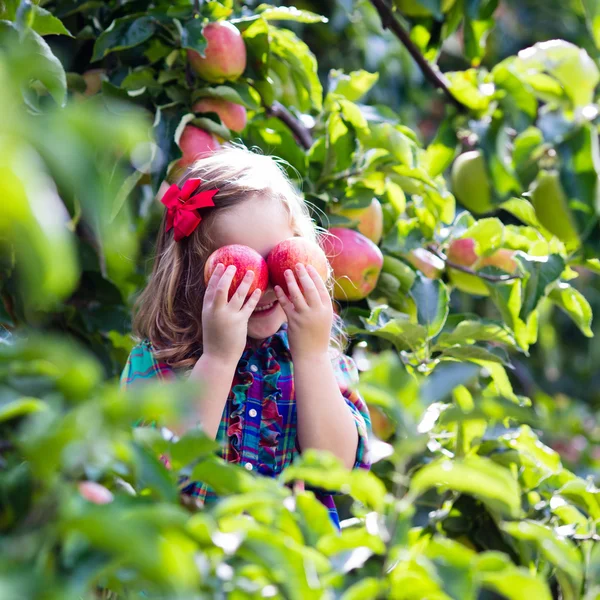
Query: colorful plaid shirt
point(258, 427)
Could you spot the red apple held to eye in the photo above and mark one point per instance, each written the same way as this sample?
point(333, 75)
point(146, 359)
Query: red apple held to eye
point(356, 262)
point(287, 254)
point(244, 259)
point(224, 56)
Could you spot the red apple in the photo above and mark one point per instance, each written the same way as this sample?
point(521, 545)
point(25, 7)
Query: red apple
point(368, 221)
point(428, 263)
point(224, 56)
point(244, 259)
point(195, 143)
point(502, 259)
point(287, 254)
point(356, 262)
point(94, 492)
point(462, 252)
point(232, 115)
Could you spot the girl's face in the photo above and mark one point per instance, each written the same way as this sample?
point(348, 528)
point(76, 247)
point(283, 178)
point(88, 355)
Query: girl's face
point(260, 224)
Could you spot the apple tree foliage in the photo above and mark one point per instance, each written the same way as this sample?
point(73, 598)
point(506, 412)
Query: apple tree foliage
point(464, 500)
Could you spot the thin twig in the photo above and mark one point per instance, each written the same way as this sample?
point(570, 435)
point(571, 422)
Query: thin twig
point(196, 7)
point(280, 112)
point(389, 21)
point(453, 265)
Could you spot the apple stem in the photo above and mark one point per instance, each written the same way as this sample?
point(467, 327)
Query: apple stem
point(279, 111)
point(453, 265)
point(389, 21)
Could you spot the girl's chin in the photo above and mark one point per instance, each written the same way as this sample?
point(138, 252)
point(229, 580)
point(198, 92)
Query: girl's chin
point(264, 326)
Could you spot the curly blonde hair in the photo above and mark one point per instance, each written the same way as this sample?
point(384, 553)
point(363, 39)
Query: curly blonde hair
point(168, 312)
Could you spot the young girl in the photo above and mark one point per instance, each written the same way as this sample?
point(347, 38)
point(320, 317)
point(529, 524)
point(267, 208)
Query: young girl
point(275, 381)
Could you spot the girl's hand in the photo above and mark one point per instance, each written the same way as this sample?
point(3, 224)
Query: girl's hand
point(225, 323)
point(309, 311)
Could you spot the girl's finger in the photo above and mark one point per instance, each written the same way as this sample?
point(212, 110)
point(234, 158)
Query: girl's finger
point(294, 292)
point(211, 287)
point(222, 293)
point(251, 303)
point(319, 285)
point(284, 301)
point(237, 300)
point(311, 294)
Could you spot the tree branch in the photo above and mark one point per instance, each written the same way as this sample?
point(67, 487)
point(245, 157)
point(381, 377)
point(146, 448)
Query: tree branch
point(280, 112)
point(389, 21)
point(10, 310)
point(485, 276)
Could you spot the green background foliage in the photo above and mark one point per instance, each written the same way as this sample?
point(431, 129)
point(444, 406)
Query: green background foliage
point(480, 377)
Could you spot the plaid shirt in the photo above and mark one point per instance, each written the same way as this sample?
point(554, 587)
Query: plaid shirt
point(258, 427)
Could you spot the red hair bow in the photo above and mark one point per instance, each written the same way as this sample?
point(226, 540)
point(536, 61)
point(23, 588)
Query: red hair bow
point(182, 207)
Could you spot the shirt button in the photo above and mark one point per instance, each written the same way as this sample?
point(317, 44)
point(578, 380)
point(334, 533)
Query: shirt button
point(248, 466)
point(253, 368)
point(252, 412)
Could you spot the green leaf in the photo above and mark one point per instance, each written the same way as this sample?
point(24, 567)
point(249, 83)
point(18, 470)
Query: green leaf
point(477, 476)
point(238, 93)
point(442, 149)
point(445, 378)
point(560, 552)
point(352, 86)
point(570, 65)
point(514, 583)
point(367, 588)
point(302, 64)
point(488, 233)
point(20, 408)
point(153, 476)
point(350, 539)
point(194, 445)
point(464, 87)
point(123, 33)
point(33, 60)
point(592, 18)
point(324, 471)
point(583, 494)
point(402, 333)
point(258, 46)
point(432, 300)
point(472, 353)
point(574, 303)
point(192, 37)
point(454, 564)
point(471, 332)
point(41, 21)
point(227, 478)
point(523, 210)
point(475, 35)
point(543, 271)
point(289, 13)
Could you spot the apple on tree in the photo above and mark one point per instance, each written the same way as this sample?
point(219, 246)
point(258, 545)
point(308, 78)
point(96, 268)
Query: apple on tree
point(356, 262)
point(287, 254)
point(232, 115)
point(367, 220)
point(471, 183)
point(463, 252)
point(224, 56)
point(429, 264)
point(244, 259)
